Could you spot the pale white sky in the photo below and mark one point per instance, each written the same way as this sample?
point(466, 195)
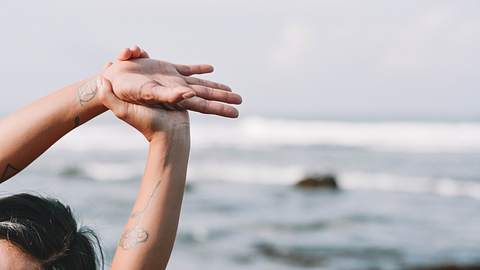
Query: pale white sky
point(296, 58)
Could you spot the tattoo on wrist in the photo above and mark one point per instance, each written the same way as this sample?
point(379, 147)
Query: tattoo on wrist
point(137, 235)
point(87, 91)
point(9, 172)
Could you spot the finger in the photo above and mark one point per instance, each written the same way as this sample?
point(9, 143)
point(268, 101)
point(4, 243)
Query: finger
point(108, 98)
point(188, 70)
point(172, 95)
point(216, 94)
point(125, 54)
point(197, 81)
point(136, 51)
point(209, 107)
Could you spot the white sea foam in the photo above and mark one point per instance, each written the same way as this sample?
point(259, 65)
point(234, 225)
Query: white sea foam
point(288, 175)
point(113, 171)
point(396, 183)
point(245, 173)
point(109, 137)
point(257, 132)
point(390, 136)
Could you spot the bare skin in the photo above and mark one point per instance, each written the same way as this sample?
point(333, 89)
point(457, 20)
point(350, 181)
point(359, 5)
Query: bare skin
point(159, 80)
point(12, 258)
point(29, 132)
point(150, 232)
point(150, 95)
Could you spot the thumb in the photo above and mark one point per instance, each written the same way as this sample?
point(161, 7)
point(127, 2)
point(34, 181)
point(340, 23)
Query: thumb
point(124, 55)
point(109, 100)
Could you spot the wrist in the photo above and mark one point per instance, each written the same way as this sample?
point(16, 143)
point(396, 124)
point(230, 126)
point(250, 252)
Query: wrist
point(86, 102)
point(101, 84)
point(172, 139)
point(167, 153)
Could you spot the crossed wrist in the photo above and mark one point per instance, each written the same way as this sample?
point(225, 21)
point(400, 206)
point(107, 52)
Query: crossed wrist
point(171, 139)
point(101, 85)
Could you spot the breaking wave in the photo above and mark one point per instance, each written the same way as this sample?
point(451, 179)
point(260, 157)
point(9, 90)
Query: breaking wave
point(254, 132)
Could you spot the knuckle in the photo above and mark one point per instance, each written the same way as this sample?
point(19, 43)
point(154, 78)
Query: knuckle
point(226, 96)
point(210, 92)
point(146, 95)
point(146, 91)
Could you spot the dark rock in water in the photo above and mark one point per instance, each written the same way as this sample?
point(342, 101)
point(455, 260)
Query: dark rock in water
point(326, 181)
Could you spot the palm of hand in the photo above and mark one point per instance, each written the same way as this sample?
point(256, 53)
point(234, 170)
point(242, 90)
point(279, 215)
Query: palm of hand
point(146, 81)
point(149, 120)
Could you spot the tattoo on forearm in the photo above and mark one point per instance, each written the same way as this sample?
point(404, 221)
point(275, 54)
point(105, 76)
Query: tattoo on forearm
point(137, 235)
point(76, 121)
point(87, 91)
point(9, 172)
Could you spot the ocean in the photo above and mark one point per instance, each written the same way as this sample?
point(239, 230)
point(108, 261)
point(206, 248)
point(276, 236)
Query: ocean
point(409, 191)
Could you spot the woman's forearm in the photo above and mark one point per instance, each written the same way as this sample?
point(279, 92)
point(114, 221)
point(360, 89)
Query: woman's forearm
point(150, 233)
point(30, 131)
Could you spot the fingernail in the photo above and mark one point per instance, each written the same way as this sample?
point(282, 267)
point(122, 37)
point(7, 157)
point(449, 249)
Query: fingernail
point(240, 100)
point(188, 95)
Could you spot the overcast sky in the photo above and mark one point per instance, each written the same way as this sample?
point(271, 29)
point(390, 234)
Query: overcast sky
point(315, 59)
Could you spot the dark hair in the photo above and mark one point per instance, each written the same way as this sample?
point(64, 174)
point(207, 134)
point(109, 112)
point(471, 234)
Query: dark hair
point(45, 229)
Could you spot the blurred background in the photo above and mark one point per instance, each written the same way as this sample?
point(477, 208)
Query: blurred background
point(378, 97)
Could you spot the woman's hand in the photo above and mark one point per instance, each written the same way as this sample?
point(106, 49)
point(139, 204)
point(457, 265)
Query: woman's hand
point(146, 81)
point(150, 121)
point(149, 234)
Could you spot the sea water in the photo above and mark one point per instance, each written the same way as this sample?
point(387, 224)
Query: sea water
point(409, 192)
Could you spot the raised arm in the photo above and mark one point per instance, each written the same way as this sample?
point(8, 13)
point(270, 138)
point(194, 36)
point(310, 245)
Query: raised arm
point(30, 131)
point(149, 235)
